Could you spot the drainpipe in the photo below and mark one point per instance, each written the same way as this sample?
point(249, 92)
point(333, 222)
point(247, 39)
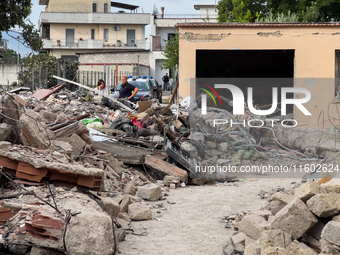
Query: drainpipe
point(162, 15)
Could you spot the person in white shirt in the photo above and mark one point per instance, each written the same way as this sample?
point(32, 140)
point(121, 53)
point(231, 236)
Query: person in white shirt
point(102, 87)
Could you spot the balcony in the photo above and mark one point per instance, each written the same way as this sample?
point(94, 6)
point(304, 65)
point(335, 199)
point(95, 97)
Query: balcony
point(157, 44)
point(93, 44)
point(94, 18)
point(3, 46)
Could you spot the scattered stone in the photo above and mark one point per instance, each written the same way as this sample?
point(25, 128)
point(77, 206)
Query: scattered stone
point(130, 188)
point(34, 133)
point(295, 218)
point(139, 212)
point(183, 185)
point(4, 144)
point(308, 190)
point(252, 249)
point(252, 226)
point(228, 248)
point(300, 248)
point(47, 117)
point(121, 234)
point(279, 200)
point(275, 238)
point(126, 201)
point(172, 186)
point(331, 232)
point(77, 144)
point(168, 179)
point(325, 205)
point(333, 186)
point(90, 232)
point(124, 223)
point(150, 192)
point(111, 206)
point(239, 241)
point(5, 131)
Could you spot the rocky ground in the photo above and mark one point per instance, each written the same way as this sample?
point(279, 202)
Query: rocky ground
point(191, 219)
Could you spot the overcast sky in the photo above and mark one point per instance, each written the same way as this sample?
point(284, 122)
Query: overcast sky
point(171, 7)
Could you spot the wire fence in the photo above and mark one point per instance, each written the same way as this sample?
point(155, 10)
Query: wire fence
point(40, 77)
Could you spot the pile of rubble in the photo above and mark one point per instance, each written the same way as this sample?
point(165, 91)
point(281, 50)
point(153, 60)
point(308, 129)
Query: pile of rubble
point(301, 221)
point(69, 188)
point(77, 167)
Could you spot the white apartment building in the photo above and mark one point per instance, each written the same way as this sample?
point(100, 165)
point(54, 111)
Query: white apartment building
point(163, 29)
point(79, 26)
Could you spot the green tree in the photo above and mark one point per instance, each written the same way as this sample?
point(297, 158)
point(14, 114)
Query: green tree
point(48, 65)
point(14, 13)
point(279, 18)
point(171, 53)
point(10, 57)
point(278, 11)
point(239, 10)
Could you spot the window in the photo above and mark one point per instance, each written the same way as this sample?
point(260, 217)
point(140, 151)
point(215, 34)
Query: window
point(93, 34)
point(69, 37)
point(170, 36)
point(94, 7)
point(106, 9)
point(106, 34)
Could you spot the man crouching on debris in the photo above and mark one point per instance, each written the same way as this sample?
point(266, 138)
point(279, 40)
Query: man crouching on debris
point(127, 90)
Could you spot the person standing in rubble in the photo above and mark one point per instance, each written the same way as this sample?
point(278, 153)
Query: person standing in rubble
point(102, 87)
point(127, 90)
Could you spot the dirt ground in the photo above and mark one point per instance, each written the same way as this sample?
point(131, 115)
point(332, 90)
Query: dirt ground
point(193, 224)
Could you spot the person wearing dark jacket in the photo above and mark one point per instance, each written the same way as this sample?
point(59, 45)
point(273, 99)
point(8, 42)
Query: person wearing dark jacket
point(165, 82)
point(127, 90)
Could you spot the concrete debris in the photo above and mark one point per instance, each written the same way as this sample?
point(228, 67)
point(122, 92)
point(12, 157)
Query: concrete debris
point(333, 186)
point(139, 212)
point(300, 248)
point(308, 190)
point(168, 180)
point(77, 168)
point(151, 192)
point(78, 145)
point(275, 238)
point(163, 168)
point(295, 218)
point(111, 206)
point(253, 226)
point(331, 232)
point(5, 131)
point(325, 205)
point(130, 189)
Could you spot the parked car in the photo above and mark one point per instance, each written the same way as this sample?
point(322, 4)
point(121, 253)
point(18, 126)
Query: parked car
point(158, 92)
point(146, 88)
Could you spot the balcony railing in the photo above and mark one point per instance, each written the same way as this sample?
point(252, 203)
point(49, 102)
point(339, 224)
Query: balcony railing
point(93, 44)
